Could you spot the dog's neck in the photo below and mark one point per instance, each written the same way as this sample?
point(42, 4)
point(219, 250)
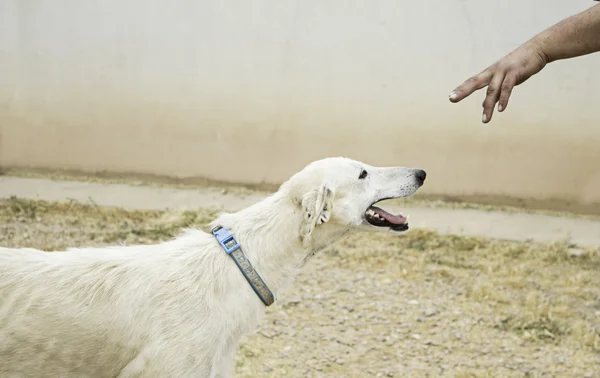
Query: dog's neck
point(268, 233)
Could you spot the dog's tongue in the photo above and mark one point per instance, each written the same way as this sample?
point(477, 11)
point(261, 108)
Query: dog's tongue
point(394, 219)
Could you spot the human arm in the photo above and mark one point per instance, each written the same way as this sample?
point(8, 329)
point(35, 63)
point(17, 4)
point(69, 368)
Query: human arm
point(575, 36)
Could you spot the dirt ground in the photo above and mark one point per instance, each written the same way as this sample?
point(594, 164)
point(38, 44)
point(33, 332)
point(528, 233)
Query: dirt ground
point(418, 305)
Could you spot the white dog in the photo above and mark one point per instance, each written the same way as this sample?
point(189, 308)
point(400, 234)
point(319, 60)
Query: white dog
point(179, 308)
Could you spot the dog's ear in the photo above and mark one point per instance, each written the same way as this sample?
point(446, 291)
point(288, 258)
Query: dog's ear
point(316, 208)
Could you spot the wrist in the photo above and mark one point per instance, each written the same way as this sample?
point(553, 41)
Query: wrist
point(538, 47)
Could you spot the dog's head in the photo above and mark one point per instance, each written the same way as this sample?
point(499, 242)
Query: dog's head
point(340, 194)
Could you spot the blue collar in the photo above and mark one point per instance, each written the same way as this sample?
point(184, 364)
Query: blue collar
point(233, 249)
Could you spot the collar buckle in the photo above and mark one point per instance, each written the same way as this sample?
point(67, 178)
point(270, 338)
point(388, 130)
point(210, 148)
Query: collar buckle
point(225, 239)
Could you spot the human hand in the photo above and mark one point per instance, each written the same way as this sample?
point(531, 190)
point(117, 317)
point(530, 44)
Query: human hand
point(502, 76)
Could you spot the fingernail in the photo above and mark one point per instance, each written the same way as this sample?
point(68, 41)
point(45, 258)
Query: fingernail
point(452, 96)
point(484, 118)
point(500, 107)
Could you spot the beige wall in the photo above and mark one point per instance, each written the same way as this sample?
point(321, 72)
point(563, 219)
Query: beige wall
point(251, 91)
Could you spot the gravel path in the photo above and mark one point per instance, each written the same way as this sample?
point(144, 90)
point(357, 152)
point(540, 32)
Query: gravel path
point(499, 225)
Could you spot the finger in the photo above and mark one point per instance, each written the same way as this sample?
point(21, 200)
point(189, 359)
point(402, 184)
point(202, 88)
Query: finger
point(506, 89)
point(492, 96)
point(471, 85)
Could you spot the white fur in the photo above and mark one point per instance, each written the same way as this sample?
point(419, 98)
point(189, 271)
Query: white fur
point(178, 308)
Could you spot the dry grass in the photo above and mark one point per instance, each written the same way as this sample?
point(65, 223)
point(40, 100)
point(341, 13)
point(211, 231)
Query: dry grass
point(241, 189)
point(381, 305)
point(540, 291)
point(54, 226)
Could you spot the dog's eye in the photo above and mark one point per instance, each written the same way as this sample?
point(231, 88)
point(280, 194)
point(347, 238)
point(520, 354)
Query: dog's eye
point(363, 175)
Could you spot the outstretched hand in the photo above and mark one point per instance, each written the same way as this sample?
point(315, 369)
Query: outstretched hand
point(501, 77)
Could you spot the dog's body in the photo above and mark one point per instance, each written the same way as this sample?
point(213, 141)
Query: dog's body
point(179, 308)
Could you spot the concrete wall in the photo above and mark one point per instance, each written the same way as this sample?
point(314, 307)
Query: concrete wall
point(250, 91)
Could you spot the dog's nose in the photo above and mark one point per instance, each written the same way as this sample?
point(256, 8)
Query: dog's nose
point(420, 176)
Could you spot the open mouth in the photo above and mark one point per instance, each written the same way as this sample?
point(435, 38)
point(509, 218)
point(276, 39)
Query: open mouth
point(378, 217)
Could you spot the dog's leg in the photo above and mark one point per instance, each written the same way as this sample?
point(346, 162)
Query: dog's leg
point(226, 365)
point(171, 362)
point(136, 367)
